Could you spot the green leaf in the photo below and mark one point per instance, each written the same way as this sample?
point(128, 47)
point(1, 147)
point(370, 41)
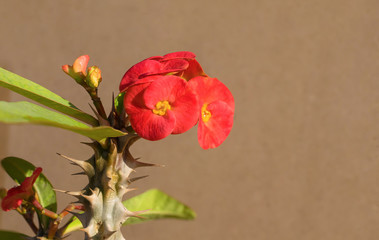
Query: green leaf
point(43, 96)
point(159, 204)
point(18, 169)
point(7, 235)
point(25, 112)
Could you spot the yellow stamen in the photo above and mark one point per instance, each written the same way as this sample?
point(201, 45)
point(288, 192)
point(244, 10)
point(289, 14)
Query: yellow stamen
point(205, 114)
point(161, 108)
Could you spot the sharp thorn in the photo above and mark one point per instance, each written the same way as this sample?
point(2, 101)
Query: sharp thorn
point(130, 190)
point(143, 164)
point(102, 121)
point(87, 167)
point(136, 178)
point(91, 144)
point(68, 158)
point(76, 194)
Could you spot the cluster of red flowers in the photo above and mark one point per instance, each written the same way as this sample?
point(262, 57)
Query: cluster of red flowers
point(169, 94)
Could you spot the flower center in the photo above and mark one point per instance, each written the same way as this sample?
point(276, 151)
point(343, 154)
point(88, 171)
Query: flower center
point(161, 108)
point(205, 114)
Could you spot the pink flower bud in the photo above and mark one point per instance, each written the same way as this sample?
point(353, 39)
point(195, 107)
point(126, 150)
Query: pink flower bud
point(80, 64)
point(78, 70)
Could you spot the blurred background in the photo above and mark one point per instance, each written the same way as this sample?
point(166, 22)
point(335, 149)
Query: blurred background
point(302, 160)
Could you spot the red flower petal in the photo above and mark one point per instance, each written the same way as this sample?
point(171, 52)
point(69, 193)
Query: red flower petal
point(182, 100)
point(151, 126)
point(147, 124)
point(174, 65)
point(194, 69)
point(15, 195)
point(142, 68)
point(210, 90)
point(164, 88)
point(13, 199)
point(133, 98)
point(27, 184)
point(141, 100)
point(213, 132)
point(186, 109)
point(219, 104)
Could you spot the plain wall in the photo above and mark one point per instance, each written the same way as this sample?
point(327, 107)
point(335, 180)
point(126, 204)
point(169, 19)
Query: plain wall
point(302, 159)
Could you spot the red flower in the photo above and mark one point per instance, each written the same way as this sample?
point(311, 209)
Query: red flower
point(158, 106)
point(15, 195)
point(181, 64)
point(216, 111)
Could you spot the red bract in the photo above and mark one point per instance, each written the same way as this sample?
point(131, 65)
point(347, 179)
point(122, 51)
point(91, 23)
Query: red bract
point(181, 64)
point(15, 195)
point(158, 106)
point(216, 111)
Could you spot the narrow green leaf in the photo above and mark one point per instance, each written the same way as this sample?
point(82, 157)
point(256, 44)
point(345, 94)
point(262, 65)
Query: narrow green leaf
point(43, 96)
point(25, 112)
point(7, 235)
point(18, 169)
point(159, 204)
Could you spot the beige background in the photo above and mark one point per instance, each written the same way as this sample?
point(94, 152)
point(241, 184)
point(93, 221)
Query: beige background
point(302, 159)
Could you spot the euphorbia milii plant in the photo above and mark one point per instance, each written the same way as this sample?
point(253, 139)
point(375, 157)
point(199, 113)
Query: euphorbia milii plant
point(159, 96)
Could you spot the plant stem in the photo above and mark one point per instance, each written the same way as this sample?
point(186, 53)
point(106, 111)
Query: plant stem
point(43, 210)
point(28, 216)
point(54, 225)
point(97, 102)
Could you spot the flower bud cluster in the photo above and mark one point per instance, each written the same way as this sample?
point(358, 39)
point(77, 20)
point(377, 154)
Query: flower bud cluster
point(90, 77)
